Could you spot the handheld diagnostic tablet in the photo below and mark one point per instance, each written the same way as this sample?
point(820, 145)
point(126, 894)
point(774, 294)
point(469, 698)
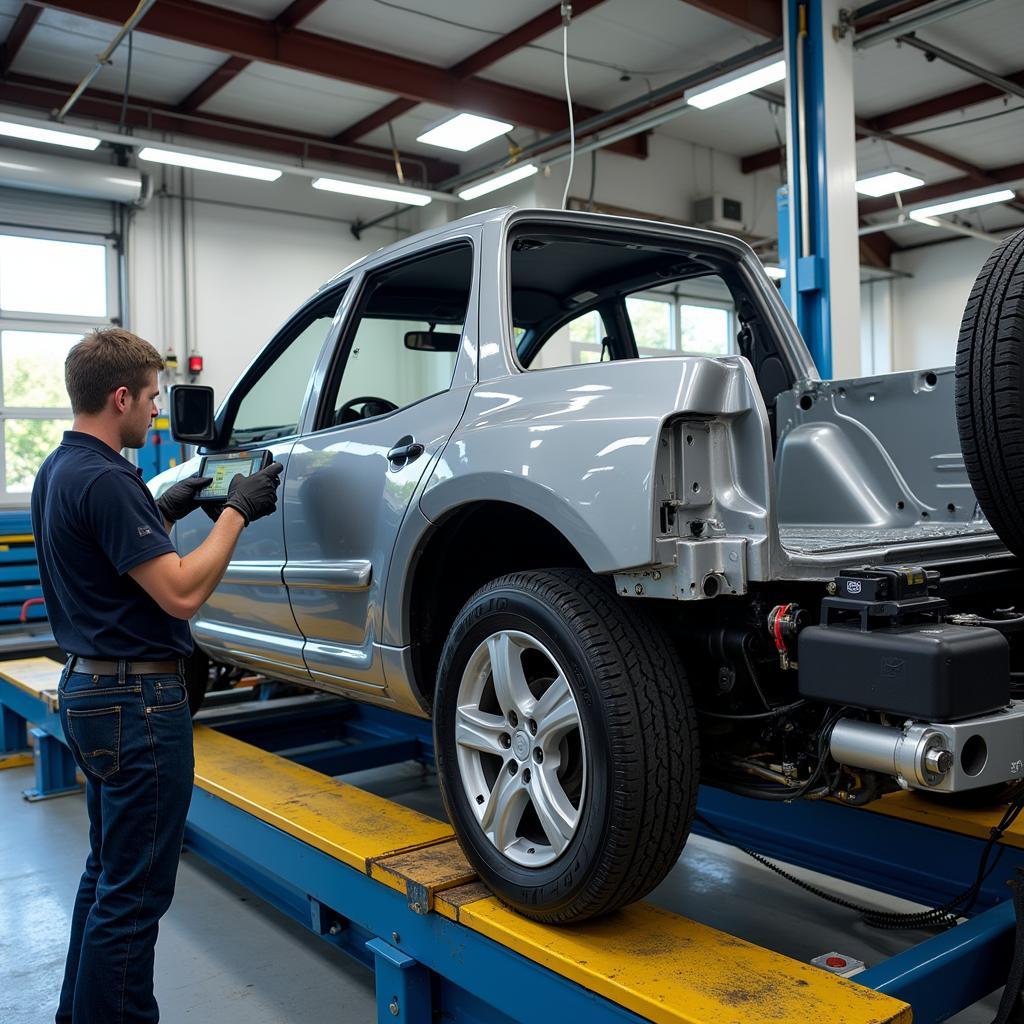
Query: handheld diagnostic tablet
point(224, 468)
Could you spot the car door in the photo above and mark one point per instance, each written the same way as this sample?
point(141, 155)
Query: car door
point(248, 620)
point(394, 392)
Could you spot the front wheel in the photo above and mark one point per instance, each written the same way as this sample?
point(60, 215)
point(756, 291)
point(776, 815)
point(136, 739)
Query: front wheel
point(566, 745)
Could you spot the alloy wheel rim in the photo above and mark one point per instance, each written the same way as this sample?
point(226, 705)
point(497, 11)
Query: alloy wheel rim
point(521, 749)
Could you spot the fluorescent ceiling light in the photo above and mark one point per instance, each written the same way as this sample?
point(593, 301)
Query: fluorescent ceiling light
point(719, 90)
point(33, 134)
point(500, 181)
point(775, 273)
point(885, 183)
point(969, 203)
point(464, 132)
point(206, 163)
point(358, 188)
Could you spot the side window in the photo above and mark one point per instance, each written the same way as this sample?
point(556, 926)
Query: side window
point(578, 341)
point(272, 405)
point(405, 338)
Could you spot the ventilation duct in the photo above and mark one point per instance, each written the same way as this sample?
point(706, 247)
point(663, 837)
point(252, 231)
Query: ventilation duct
point(42, 172)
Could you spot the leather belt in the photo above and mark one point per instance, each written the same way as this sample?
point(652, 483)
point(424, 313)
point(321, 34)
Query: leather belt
point(123, 667)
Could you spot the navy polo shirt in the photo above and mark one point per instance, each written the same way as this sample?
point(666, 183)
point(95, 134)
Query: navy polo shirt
point(94, 520)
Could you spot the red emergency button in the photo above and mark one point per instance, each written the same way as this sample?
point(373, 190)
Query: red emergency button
point(835, 961)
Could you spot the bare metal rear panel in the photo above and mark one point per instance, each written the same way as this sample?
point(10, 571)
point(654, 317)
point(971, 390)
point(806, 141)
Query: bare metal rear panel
point(812, 540)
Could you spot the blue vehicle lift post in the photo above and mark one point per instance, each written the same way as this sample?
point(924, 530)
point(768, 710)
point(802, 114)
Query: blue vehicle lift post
point(818, 241)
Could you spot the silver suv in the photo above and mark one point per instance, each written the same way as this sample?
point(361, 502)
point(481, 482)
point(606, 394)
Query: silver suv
point(570, 485)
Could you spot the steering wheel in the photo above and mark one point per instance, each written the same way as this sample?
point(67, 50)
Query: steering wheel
point(372, 406)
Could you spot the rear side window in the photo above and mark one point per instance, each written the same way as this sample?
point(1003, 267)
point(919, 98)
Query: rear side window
point(578, 300)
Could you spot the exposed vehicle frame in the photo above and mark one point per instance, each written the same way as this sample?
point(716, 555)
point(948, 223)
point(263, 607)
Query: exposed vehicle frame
point(697, 514)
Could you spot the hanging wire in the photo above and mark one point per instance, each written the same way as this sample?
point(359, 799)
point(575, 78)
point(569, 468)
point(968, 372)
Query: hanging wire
point(566, 17)
point(127, 84)
point(395, 154)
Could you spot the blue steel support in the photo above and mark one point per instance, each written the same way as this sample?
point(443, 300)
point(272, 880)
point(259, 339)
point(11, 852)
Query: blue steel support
point(55, 768)
point(806, 258)
point(471, 976)
point(13, 735)
point(941, 975)
point(402, 984)
point(903, 858)
point(458, 967)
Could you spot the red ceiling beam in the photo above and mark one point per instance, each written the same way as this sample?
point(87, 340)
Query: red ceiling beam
point(242, 35)
point(229, 70)
point(761, 16)
point(525, 34)
point(949, 102)
point(887, 14)
point(27, 17)
point(297, 11)
point(876, 249)
point(44, 94)
point(942, 189)
point(945, 104)
point(490, 54)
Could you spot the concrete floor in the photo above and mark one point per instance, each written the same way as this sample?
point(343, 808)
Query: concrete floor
point(228, 957)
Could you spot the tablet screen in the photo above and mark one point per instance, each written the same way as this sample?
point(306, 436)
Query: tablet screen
point(224, 471)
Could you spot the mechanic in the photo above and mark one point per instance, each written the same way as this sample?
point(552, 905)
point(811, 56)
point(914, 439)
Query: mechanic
point(118, 598)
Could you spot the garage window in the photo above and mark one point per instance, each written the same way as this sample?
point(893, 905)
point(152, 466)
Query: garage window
point(673, 325)
point(52, 290)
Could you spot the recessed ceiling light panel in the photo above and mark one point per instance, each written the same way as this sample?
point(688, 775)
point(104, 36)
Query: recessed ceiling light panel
point(359, 188)
point(465, 132)
point(30, 133)
point(499, 181)
point(206, 163)
point(886, 183)
point(739, 83)
point(969, 203)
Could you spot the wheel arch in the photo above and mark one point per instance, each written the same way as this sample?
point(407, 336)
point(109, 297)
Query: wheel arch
point(466, 548)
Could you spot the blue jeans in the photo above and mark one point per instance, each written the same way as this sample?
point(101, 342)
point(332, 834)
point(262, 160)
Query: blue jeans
point(132, 738)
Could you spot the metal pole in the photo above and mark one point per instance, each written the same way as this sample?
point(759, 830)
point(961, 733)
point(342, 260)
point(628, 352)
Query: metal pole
point(918, 19)
point(963, 64)
point(104, 57)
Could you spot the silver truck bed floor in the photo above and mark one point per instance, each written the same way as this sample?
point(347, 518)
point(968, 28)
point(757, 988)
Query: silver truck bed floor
point(816, 539)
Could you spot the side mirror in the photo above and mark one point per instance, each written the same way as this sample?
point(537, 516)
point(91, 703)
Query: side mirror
point(192, 413)
point(432, 341)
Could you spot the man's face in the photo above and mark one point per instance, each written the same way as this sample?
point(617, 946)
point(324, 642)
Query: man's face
point(140, 414)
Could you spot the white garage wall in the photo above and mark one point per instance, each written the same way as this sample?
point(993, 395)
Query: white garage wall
point(927, 308)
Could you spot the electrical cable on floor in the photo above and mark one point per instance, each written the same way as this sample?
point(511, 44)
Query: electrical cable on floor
point(944, 916)
point(566, 18)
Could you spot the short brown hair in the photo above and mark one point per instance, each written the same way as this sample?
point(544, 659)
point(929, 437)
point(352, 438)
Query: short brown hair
point(103, 361)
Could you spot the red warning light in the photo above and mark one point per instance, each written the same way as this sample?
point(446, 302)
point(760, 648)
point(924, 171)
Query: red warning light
point(835, 961)
point(195, 364)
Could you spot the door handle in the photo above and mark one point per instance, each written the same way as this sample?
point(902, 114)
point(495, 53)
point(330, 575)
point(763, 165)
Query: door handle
point(406, 450)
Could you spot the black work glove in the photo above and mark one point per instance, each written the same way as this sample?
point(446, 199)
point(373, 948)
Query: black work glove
point(255, 496)
point(179, 499)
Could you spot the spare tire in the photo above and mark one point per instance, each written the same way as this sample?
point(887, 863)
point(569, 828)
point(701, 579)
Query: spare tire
point(990, 390)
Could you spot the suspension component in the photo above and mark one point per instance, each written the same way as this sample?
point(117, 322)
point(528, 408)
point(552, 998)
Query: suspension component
point(784, 623)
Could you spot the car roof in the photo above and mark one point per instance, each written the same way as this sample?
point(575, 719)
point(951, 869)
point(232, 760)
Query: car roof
point(505, 213)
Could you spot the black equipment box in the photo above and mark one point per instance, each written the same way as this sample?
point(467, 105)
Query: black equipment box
point(931, 671)
point(882, 646)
